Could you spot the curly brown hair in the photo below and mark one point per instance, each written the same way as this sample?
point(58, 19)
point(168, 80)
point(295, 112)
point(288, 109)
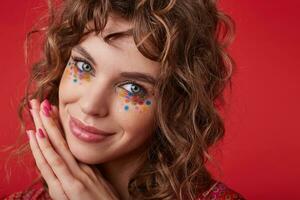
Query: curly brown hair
point(190, 39)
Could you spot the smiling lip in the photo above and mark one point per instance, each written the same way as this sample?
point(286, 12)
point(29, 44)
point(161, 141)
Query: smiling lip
point(86, 133)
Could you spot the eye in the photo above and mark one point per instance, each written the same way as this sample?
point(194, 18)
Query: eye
point(134, 89)
point(82, 65)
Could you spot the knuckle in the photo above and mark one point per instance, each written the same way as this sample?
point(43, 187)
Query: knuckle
point(63, 145)
point(48, 147)
point(57, 162)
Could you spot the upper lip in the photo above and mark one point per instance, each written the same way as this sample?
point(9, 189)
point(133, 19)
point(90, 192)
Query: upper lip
point(89, 129)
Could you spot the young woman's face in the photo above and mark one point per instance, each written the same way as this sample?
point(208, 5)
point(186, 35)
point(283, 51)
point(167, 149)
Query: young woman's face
point(109, 87)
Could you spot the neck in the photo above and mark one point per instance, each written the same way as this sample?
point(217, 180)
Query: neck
point(119, 172)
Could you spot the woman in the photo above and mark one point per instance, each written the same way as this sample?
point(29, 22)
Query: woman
point(129, 92)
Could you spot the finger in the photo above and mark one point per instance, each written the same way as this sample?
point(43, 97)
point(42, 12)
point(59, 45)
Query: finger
point(57, 161)
point(55, 115)
point(103, 185)
point(58, 165)
point(89, 171)
point(34, 113)
point(55, 111)
point(55, 188)
point(58, 141)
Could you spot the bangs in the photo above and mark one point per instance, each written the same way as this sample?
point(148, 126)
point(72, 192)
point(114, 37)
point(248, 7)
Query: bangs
point(84, 17)
point(80, 13)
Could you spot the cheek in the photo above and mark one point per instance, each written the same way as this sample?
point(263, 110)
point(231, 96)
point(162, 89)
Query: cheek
point(67, 88)
point(135, 115)
point(136, 104)
point(136, 126)
point(71, 79)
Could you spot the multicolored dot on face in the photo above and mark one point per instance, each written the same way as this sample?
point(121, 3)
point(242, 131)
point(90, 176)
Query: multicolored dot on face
point(133, 102)
point(126, 107)
point(77, 75)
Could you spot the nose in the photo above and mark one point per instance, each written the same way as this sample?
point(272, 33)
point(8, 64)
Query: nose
point(95, 100)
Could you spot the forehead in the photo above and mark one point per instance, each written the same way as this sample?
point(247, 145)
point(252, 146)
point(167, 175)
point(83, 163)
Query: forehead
point(121, 54)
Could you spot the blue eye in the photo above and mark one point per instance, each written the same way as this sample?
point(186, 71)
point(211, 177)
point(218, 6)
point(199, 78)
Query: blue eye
point(134, 89)
point(82, 65)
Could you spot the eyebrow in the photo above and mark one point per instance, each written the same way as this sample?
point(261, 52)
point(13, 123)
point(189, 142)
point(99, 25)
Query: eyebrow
point(118, 35)
point(85, 53)
point(139, 77)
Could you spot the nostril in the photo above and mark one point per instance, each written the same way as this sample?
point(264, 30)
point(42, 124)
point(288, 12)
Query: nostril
point(96, 110)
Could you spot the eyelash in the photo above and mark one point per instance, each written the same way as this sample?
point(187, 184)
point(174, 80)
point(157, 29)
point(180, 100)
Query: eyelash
point(78, 59)
point(143, 90)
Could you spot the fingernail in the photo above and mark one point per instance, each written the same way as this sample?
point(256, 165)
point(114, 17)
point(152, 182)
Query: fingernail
point(41, 133)
point(46, 111)
point(47, 103)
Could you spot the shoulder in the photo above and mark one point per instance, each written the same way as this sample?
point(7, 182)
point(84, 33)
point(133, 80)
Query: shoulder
point(32, 194)
point(219, 191)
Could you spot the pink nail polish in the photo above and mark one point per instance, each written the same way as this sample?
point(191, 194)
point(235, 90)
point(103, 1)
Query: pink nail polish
point(46, 111)
point(40, 133)
point(47, 103)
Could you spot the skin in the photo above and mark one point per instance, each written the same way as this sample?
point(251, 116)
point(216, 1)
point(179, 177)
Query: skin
point(102, 98)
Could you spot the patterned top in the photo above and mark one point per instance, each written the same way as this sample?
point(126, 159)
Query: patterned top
point(218, 191)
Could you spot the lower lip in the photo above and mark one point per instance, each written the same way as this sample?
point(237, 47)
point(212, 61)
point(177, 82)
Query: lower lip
point(84, 135)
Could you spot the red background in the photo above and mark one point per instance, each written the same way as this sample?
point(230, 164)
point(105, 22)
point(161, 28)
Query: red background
point(260, 152)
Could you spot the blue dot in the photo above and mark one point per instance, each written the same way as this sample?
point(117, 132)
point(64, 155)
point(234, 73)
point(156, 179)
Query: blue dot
point(126, 107)
point(148, 102)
